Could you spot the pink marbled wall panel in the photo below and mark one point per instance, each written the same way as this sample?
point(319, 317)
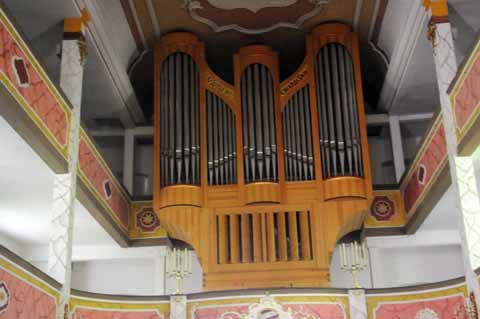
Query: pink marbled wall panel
point(96, 173)
point(316, 311)
point(81, 313)
point(26, 301)
point(37, 94)
point(431, 159)
point(444, 308)
point(468, 97)
point(299, 311)
point(216, 312)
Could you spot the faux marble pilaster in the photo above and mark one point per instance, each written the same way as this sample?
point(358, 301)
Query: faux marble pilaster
point(461, 168)
point(178, 307)
point(358, 304)
point(60, 252)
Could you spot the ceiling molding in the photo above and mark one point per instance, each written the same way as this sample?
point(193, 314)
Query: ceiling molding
point(402, 56)
point(117, 72)
point(358, 13)
point(137, 23)
point(132, 24)
point(153, 16)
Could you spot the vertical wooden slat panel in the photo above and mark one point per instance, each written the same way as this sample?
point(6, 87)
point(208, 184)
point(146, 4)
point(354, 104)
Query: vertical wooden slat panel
point(257, 238)
point(222, 239)
point(271, 238)
point(263, 223)
point(234, 244)
point(246, 244)
point(292, 228)
point(282, 237)
point(305, 236)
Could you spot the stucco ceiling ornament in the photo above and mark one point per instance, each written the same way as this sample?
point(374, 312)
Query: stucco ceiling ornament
point(253, 16)
point(252, 5)
point(268, 308)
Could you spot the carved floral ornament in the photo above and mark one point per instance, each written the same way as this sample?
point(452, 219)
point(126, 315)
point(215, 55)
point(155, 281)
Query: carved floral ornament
point(268, 308)
point(253, 16)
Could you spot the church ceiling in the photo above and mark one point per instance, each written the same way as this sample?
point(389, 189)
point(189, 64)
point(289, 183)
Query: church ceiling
point(227, 25)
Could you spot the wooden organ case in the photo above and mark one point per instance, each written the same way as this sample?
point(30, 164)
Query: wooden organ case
point(261, 177)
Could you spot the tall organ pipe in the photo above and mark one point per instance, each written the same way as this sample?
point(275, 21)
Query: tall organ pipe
point(179, 121)
point(296, 122)
point(221, 144)
point(339, 132)
point(258, 114)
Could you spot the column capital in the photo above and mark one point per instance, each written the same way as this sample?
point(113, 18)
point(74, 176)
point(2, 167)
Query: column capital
point(74, 28)
point(438, 8)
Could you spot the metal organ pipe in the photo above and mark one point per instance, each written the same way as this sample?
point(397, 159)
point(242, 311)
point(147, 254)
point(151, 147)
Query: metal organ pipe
point(258, 114)
point(179, 121)
point(296, 121)
point(337, 112)
point(222, 158)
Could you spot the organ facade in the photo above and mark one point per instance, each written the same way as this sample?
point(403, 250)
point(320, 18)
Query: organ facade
point(263, 176)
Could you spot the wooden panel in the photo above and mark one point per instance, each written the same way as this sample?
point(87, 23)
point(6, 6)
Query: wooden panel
point(271, 238)
point(292, 230)
point(262, 192)
point(344, 188)
point(222, 239)
point(234, 243)
point(292, 277)
point(282, 237)
point(257, 238)
point(223, 196)
point(263, 227)
point(305, 236)
point(246, 239)
point(180, 195)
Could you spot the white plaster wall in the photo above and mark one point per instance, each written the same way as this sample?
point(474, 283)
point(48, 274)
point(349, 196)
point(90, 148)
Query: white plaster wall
point(115, 276)
point(406, 266)
point(132, 276)
point(403, 266)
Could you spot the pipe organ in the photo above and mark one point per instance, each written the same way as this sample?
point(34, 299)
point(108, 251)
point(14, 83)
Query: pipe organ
point(261, 177)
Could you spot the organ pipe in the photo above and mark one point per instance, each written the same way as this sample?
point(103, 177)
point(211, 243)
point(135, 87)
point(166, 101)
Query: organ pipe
point(296, 121)
point(339, 132)
point(259, 133)
point(336, 140)
point(179, 121)
point(221, 145)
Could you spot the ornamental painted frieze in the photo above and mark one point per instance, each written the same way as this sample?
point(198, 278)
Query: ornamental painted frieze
point(101, 182)
point(4, 297)
point(466, 94)
point(29, 85)
point(426, 168)
point(147, 220)
point(382, 208)
point(253, 16)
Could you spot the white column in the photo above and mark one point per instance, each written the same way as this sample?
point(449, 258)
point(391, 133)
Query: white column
point(358, 304)
point(461, 168)
point(397, 147)
point(60, 246)
point(178, 307)
point(129, 160)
